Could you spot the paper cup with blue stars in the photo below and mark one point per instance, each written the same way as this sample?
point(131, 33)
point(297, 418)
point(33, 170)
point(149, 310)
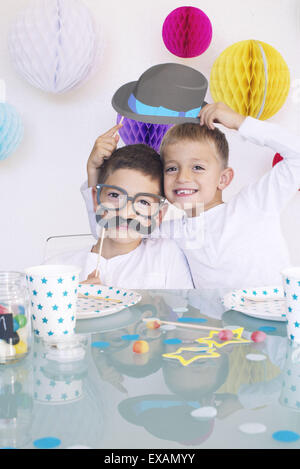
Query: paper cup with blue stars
point(53, 296)
point(291, 285)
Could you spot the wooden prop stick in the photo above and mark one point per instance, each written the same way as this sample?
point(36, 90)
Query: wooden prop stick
point(184, 324)
point(91, 297)
point(120, 123)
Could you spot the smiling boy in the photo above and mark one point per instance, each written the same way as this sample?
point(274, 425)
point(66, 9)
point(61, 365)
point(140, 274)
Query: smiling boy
point(128, 200)
point(239, 243)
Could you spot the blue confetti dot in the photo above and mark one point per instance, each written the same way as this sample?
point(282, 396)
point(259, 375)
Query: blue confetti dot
point(286, 436)
point(100, 344)
point(130, 337)
point(47, 443)
point(172, 341)
point(21, 309)
point(267, 329)
point(191, 320)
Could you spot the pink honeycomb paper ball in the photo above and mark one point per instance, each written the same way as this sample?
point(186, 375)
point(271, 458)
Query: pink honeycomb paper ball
point(187, 32)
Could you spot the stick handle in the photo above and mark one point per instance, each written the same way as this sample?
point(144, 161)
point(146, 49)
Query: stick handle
point(185, 324)
point(191, 326)
point(121, 122)
point(100, 251)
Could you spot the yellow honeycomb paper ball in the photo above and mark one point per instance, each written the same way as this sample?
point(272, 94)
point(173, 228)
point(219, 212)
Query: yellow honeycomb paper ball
point(252, 78)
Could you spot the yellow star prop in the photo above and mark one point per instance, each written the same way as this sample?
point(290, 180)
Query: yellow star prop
point(235, 340)
point(207, 353)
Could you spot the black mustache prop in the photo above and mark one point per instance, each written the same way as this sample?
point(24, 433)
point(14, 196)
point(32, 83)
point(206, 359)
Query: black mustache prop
point(132, 224)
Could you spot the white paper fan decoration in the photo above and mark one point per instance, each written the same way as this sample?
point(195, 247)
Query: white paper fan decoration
point(55, 44)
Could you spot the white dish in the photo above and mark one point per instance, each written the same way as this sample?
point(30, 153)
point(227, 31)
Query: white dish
point(111, 300)
point(262, 303)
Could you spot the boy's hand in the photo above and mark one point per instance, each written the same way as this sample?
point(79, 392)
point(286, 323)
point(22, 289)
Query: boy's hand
point(104, 146)
point(93, 279)
point(221, 114)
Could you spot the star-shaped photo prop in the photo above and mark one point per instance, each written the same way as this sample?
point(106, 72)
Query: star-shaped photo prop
point(213, 341)
point(204, 352)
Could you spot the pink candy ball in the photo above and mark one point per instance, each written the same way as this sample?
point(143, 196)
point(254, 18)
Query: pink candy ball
point(226, 334)
point(187, 32)
point(258, 336)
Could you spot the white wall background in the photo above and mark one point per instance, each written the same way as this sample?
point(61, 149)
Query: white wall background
point(39, 183)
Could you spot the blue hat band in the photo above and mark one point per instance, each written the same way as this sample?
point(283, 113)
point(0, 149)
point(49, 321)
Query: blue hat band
point(144, 109)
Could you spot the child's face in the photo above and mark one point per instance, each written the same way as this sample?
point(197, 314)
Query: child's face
point(193, 174)
point(133, 182)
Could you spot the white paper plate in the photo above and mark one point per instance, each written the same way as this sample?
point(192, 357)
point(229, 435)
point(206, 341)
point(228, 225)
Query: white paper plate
point(262, 303)
point(112, 300)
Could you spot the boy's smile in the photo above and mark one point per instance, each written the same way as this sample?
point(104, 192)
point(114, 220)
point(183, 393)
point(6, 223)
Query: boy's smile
point(193, 174)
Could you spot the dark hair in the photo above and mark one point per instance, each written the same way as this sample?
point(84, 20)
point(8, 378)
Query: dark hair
point(139, 157)
point(196, 132)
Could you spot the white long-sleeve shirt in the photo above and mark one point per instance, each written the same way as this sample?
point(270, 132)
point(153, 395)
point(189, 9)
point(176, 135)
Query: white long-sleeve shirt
point(239, 243)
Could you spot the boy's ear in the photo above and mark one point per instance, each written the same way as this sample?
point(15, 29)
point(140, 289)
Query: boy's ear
point(94, 196)
point(225, 178)
point(162, 212)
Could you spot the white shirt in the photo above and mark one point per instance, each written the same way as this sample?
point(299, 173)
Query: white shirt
point(154, 264)
point(239, 244)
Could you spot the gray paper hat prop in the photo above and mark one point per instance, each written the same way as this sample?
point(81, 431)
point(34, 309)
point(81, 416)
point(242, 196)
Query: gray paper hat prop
point(164, 94)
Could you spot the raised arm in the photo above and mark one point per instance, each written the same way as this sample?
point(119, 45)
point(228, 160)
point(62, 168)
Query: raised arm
point(273, 190)
point(104, 146)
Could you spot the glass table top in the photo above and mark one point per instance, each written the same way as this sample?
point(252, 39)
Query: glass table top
point(247, 395)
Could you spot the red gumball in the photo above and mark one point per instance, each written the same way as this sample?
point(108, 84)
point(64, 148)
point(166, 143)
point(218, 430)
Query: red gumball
point(153, 324)
point(258, 336)
point(140, 346)
point(226, 334)
point(277, 159)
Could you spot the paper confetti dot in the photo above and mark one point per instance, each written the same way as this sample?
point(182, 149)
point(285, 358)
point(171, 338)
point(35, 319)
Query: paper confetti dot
point(47, 443)
point(252, 428)
point(204, 413)
point(100, 344)
point(192, 320)
point(286, 436)
point(172, 341)
point(180, 310)
point(168, 327)
point(255, 357)
point(130, 337)
point(267, 329)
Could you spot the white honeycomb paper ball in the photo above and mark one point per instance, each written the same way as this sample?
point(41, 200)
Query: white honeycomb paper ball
point(55, 44)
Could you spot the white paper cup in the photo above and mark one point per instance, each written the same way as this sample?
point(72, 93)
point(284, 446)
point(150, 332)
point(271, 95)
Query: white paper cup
point(53, 297)
point(291, 285)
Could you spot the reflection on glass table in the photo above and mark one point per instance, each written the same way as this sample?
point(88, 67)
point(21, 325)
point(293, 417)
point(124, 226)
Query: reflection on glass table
point(247, 396)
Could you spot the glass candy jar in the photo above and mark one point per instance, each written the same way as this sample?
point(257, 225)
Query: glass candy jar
point(15, 325)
